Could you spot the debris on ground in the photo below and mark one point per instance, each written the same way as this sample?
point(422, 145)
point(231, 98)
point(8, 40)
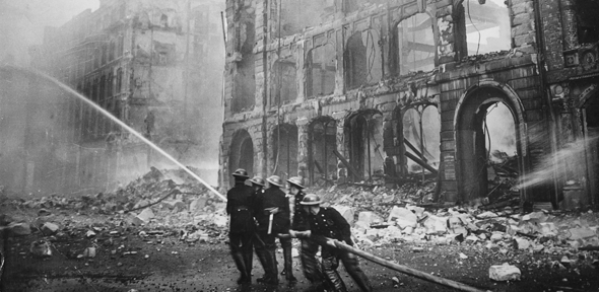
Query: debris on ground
point(505, 272)
point(378, 216)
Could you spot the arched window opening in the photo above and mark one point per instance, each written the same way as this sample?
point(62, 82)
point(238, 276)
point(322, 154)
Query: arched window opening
point(242, 154)
point(321, 71)
point(322, 142)
point(488, 149)
point(285, 150)
point(362, 59)
point(283, 88)
point(416, 44)
point(488, 27)
point(365, 138)
point(422, 134)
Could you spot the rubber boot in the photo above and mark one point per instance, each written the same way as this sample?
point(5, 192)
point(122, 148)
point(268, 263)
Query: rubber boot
point(272, 278)
point(329, 269)
point(263, 258)
point(248, 260)
point(240, 263)
point(288, 265)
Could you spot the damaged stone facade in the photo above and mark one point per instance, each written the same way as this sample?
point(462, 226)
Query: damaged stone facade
point(386, 84)
point(156, 66)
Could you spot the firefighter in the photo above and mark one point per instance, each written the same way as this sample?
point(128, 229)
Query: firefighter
point(299, 222)
point(329, 223)
point(241, 231)
point(272, 214)
point(258, 186)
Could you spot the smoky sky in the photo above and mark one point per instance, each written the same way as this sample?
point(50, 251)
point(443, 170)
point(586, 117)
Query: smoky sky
point(22, 24)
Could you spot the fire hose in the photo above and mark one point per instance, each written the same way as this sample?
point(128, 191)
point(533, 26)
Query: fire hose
point(377, 260)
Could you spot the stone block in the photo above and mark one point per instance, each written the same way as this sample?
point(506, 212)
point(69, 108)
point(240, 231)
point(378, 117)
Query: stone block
point(497, 236)
point(505, 272)
point(20, 228)
point(522, 243)
point(145, 215)
point(435, 224)
point(581, 233)
point(49, 228)
point(403, 217)
point(367, 217)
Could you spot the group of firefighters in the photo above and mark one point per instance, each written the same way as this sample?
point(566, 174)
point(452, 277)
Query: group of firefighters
point(260, 214)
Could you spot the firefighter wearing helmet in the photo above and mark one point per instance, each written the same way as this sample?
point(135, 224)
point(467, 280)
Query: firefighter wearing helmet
point(272, 213)
point(241, 230)
point(328, 222)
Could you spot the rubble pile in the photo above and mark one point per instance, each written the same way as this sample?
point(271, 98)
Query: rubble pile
point(498, 231)
point(184, 193)
point(167, 206)
point(158, 207)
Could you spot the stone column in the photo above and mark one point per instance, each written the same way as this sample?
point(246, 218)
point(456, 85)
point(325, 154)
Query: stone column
point(302, 148)
point(569, 22)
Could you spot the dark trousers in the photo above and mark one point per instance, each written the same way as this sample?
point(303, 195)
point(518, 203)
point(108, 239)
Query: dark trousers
point(266, 254)
point(241, 244)
point(330, 263)
point(309, 263)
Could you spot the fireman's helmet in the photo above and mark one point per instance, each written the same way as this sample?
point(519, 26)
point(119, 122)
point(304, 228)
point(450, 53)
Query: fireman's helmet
point(311, 200)
point(256, 180)
point(240, 172)
point(296, 181)
point(274, 180)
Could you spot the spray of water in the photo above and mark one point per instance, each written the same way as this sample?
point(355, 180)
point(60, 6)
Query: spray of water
point(560, 164)
point(125, 126)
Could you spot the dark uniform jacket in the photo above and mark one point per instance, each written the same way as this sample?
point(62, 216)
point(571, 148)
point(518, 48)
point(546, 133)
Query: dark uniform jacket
point(239, 206)
point(329, 222)
point(272, 198)
point(300, 217)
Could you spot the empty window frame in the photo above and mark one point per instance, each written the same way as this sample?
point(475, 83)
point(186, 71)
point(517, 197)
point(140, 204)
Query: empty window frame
point(285, 150)
point(422, 134)
point(362, 59)
point(321, 71)
point(283, 88)
point(322, 142)
point(416, 44)
point(365, 137)
point(245, 80)
point(488, 26)
point(586, 21)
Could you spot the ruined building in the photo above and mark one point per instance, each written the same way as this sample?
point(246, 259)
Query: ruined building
point(480, 95)
point(156, 65)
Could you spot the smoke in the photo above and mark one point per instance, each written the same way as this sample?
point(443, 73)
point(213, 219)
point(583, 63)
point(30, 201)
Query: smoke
point(501, 129)
point(22, 24)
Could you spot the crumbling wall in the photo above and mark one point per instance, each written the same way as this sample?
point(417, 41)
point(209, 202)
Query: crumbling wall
point(358, 52)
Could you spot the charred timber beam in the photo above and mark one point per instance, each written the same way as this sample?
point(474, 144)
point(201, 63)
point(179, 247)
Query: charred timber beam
point(421, 163)
point(414, 149)
point(350, 168)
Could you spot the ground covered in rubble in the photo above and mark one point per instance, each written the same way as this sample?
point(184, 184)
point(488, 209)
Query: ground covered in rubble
point(110, 242)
